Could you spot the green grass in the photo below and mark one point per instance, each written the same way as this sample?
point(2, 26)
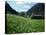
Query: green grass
point(18, 24)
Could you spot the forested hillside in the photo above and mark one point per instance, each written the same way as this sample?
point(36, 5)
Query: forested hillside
point(9, 9)
point(39, 7)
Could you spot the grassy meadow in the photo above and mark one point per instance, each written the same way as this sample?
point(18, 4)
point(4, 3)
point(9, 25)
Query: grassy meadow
point(18, 24)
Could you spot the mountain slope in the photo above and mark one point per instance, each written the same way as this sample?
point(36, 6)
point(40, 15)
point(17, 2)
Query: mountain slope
point(9, 9)
point(39, 7)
